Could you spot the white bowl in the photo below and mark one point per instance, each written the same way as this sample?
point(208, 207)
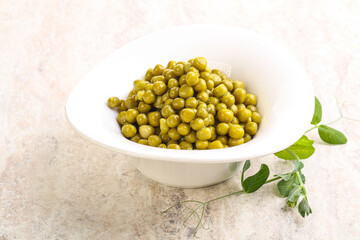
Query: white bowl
point(284, 91)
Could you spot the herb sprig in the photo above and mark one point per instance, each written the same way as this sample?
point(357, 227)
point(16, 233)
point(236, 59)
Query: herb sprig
point(291, 185)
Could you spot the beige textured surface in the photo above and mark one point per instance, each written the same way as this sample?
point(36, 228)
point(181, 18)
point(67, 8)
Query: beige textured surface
point(56, 185)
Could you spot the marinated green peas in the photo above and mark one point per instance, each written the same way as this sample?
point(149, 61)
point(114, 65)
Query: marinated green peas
point(186, 105)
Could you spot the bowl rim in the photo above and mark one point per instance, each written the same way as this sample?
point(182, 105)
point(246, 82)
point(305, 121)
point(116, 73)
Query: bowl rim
point(200, 156)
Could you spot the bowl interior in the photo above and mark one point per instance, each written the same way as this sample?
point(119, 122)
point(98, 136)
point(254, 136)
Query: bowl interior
point(284, 91)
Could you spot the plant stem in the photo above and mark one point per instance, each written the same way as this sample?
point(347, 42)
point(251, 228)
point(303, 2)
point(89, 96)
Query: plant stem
point(273, 179)
point(316, 126)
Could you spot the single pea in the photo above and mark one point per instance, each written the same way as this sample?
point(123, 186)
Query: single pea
point(201, 105)
point(192, 79)
point(168, 102)
point(213, 133)
point(173, 134)
point(178, 103)
point(161, 145)
point(247, 137)
point(234, 109)
point(240, 95)
point(225, 115)
point(206, 122)
point(171, 64)
point(171, 141)
point(194, 70)
point(235, 120)
point(159, 88)
point(241, 105)
point(211, 109)
point(158, 102)
point(173, 146)
point(216, 78)
point(223, 76)
point(251, 128)
point(186, 91)
point(201, 144)
point(165, 96)
point(203, 96)
point(197, 124)
point(236, 131)
point(216, 71)
point(210, 84)
point(141, 119)
point(121, 118)
point(203, 134)
point(201, 86)
point(172, 83)
point(250, 99)
point(205, 75)
point(174, 92)
point(183, 129)
point(158, 69)
point(202, 113)
point(173, 120)
point(200, 63)
point(222, 128)
point(235, 141)
point(128, 130)
point(191, 102)
point(222, 139)
point(252, 108)
point(228, 99)
point(113, 102)
point(256, 117)
point(182, 80)
point(243, 114)
point(187, 67)
point(143, 142)
point(164, 128)
point(149, 86)
point(214, 100)
point(149, 74)
point(154, 118)
point(185, 145)
point(136, 138)
point(168, 74)
point(167, 111)
point(139, 95)
point(191, 137)
point(131, 115)
point(131, 103)
point(159, 78)
point(122, 106)
point(238, 84)
point(216, 145)
point(221, 106)
point(146, 130)
point(229, 85)
point(187, 115)
point(149, 97)
point(179, 69)
point(131, 94)
point(154, 140)
point(211, 119)
point(165, 138)
point(220, 91)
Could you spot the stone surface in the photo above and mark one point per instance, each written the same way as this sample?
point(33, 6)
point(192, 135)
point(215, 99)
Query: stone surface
point(56, 185)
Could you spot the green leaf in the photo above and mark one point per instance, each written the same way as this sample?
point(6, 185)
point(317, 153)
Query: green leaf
point(254, 182)
point(295, 193)
point(246, 167)
point(285, 186)
point(285, 176)
point(303, 148)
point(304, 208)
point(331, 135)
point(317, 112)
point(297, 166)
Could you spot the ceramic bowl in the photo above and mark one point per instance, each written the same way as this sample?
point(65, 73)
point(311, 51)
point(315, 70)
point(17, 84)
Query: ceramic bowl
point(284, 92)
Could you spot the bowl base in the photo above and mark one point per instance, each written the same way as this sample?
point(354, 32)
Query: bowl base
point(186, 175)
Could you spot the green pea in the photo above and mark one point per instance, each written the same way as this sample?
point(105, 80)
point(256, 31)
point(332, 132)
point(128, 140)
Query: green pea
point(159, 88)
point(192, 79)
point(236, 131)
point(235, 141)
point(225, 115)
point(220, 91)
point(185, 145)
point(131, 115)
point(191, 102)
point(149, 74)
point(154, 140)
point(251, 128)
point(141, 119)
point(203, 134)
point(191, 137)
point(200, 63)
point(202, 144)
point(179, 69)
point(173, 83)
point(256, 117)
point(178, 103)
point(174, 134)
point(174, 146)
point(158, 70)
point(173, 120)
point(186, 91)
point(216, 145)
point(113, 102)
point(250, 99)
point(154, 118)
point(240, 95)
point(183, 129)
point(222, 128)
point(146, 131)
point(187, 115)
point(128, 130)
point(243, 114)
point(197, 124)
point(149, 97)
point(121, 118)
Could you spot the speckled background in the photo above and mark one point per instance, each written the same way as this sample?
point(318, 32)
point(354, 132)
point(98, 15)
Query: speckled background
point(56, 185)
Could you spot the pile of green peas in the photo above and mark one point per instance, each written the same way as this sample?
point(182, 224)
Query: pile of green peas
point(187, 106)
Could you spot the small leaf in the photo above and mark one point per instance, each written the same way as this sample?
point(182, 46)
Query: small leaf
point(254, 182)
point(304, 208)
point(246, 167)
point(285, 176)
point(295, 193)
point(331, 135)
point(297, 166)
point(317, 112)
point(285, 186)
point(303, 148)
